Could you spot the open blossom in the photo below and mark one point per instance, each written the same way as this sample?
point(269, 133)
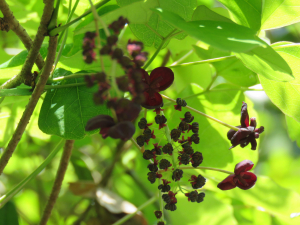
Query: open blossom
point(160, 79)
point(247, 133)
point(241, 178)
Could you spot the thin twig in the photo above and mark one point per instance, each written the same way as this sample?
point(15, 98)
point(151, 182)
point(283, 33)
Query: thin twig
point(20, 31)
point(34, 51)
point(63, 165)
point(31, 104)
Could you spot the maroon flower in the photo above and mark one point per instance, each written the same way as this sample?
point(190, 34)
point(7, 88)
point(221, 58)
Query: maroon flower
point(241, 178)
point(160, 79)
point(247, 132)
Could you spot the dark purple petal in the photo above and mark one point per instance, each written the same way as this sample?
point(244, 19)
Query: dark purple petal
point(244, 116)
point(231, 132)
point(122, 130)
point(253, 122)
point(165, 75)
point(248, 181)
point(243, 166)
point(126, 110)
point(100, 121)
point(228, 183)
point(104, 132)
point(253, 142)
point(260, 130)
point(152, 103)
point(239, 136)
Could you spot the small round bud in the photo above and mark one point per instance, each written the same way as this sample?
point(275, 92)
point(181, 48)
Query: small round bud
point(195, 127)
point(181, 102)
point(184, 158)
point(111, 40)
point(183, 125)
point(158, 214)
point(152, 177)
point(147, 154)
point(164, 164)
point(142, 123)
point(188, 117)
point(195, 138)
point(140, 140)
point(152, 167)
point(177, 174)
point(117, 53)
point(200, 197)
point(105, 50)
point(168, 149)
point(175, 134)
point(193, 196)
point(197, 159)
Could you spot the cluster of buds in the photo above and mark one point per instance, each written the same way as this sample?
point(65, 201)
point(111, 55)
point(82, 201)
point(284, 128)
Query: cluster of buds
point(165, 166)
point(88, 47)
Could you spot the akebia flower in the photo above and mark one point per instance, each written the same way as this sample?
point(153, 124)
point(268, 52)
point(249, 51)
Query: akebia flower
point(160, 79)
point(247, 133)
point(241, 178)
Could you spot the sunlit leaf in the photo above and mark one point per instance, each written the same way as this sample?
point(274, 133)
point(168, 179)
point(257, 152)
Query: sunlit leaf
point(294, 129)
point(204, 13)
point(8, 214)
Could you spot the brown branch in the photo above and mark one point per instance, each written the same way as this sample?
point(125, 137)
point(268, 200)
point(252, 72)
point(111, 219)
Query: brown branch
point(63, 165)
point(31, 104)
point(25, 74)
point(16, 27)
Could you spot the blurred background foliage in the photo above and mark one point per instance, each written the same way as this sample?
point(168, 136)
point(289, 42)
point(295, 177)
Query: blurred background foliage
point(273, 199)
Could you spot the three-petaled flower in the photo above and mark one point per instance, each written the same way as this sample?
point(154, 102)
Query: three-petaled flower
point(160, 79)
point(241, 178)
point(247, 133)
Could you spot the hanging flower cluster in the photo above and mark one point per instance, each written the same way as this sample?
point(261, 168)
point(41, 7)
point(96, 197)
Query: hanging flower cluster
point(165, 166)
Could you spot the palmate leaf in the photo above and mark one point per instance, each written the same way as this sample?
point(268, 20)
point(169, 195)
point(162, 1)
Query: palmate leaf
point(286, 95)
point(65, 111)
point(279, 13)
point(293, 129)
point(245, 12)
point(222, 35)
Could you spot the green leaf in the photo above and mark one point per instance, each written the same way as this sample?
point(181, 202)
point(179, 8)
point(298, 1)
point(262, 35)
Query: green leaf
point(293, 129)
point(8, 214)
point(245, 12)
point(15, 92)
point(222, 35)
point(141, 15)
point(279, 13)
point(80, 167)
point(286, 95)
point(20, 58)
point(148, 36)
point(225, 106)
point(233, 70)
point(65, 111)
point(204, 13)
point(266, 62)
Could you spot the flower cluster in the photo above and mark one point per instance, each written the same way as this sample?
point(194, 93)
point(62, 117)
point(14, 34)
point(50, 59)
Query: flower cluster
point(165, 160)
point(88, 47)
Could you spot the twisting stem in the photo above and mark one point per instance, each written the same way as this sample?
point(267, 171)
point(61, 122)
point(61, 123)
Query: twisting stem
point(199, 167)
point(31, 104)
point(127, 217)
point(34, 51)
point(203, 114)
point(20, 31)
point(158, 49)
point(63, 165)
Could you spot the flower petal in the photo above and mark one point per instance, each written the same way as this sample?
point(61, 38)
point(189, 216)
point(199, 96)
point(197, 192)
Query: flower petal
point(243, 166)
point(228, 183)
point(239, 135)
point(249, 178)
point(253, 142)
point(244, 116)
point(231, 132)
point(152, 103)
point(100, 121)
point(122, 130)
point(166, 75)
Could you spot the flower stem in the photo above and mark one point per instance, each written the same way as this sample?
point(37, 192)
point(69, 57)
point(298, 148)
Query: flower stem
point(161, 205)
point(47, 87)
point(13, 192)
point(158, 49)
point(199, 167)
point(183, 58)
point(203, 114)
point(127, 217)
point(113, 78)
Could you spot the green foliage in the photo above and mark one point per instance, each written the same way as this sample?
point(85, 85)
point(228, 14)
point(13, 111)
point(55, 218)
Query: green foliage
point(65, 111)
point(9, 215)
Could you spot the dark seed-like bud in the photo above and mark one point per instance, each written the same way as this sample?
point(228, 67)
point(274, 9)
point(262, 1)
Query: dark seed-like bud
point(164, 164)
point(164, 188)
point(175, 134)
point(168, 149)
point(177, 174)
point(152, 167)
point(100, 77)
point(197, 159)
point(147, 134)
point(126, 62)
point(188, 117)
point(140, 140)
point(105, 50)
point(90, 35)
point(158, 214)
point(183, 125)
point(111, 40)
point(200, 197)
point(181, 102)
point(166, 198)
point(117, 53)
point(147, 154)
point(195, 138)
point(160, 223)
point(123, 83)
point(142, 123)
point(152, 177)
point(156, 151)
point(170, 206)
point(184, 158)
point(188, 149)
point(159, 119)
point(198, 182)
point(195, 127)
point(193, 196)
